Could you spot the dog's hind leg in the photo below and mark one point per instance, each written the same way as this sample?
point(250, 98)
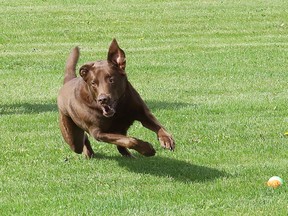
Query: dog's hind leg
point(124, 151)
point(87, 149)
point(75, 136)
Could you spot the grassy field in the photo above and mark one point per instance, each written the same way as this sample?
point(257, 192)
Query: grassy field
point(213, 72)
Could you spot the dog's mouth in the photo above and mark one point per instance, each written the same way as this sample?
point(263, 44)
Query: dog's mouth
point(108, 110)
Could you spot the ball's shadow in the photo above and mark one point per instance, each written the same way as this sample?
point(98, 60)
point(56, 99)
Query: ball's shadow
point(171, 168)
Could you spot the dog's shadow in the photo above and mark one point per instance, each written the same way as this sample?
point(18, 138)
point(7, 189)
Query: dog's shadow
point(27, 108)
point(165, 167)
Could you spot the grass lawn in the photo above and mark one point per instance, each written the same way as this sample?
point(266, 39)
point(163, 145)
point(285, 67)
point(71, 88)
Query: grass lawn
point(213, 72)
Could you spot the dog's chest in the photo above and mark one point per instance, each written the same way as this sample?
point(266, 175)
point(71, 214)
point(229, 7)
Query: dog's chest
point(116, 124)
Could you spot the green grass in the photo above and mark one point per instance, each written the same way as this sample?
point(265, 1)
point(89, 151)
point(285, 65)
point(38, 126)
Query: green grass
point(213, 72)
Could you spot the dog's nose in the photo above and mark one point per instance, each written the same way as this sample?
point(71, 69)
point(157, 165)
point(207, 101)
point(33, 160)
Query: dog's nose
point(103, 99)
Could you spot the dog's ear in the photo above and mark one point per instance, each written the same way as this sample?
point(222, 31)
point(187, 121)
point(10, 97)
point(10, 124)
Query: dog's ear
point(116, 55)
point(84, 71)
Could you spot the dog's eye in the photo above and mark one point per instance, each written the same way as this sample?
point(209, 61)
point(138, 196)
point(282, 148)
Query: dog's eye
point(93, 83)
point(111, 80)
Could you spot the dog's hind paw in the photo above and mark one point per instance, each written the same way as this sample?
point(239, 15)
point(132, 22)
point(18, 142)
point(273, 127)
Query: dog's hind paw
point(125, 152)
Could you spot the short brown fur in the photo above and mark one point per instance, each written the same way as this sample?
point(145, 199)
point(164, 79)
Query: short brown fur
point(104, 104)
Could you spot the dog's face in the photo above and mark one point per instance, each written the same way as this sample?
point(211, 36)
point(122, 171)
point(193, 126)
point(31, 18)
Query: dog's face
point(106, 80)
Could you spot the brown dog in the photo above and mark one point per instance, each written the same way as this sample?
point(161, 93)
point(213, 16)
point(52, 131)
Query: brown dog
point(103, 103)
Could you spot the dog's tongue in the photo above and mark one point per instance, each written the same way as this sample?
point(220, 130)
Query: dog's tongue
point(108, 111)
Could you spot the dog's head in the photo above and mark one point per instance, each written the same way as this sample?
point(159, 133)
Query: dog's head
point(106, 80)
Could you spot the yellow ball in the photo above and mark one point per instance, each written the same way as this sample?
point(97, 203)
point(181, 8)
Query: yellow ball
point(275, 182)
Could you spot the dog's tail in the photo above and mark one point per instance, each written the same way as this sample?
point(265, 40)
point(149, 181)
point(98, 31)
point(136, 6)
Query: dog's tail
point(70, 68)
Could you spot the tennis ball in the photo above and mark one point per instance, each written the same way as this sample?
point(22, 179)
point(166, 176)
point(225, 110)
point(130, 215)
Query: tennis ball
point(275, 182)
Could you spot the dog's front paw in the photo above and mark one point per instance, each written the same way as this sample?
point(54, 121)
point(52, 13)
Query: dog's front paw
point(144, 148)
point(166, 140)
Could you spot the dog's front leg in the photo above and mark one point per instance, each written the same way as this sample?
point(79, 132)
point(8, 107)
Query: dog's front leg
point(140, 146)
point(149, 121)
